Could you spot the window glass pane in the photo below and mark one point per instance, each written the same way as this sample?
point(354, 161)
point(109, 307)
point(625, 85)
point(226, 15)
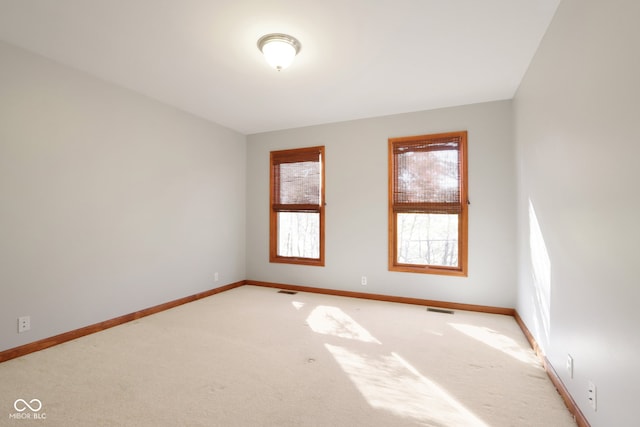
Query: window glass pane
point(299, 234)
point(428, 239)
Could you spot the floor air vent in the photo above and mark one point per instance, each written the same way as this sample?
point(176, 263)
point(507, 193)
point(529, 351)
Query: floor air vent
point(287, 292)
point(439, 310)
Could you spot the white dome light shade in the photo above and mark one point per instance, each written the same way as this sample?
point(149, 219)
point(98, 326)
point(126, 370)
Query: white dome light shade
point(279, 54)
point(279, 49)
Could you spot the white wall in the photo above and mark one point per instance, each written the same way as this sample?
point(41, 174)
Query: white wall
point(356, 193)
point(109, 202)
point(576, 126)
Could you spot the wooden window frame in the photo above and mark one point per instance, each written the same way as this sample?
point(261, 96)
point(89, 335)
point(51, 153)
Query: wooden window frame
point(295, 155)
point(462, 205)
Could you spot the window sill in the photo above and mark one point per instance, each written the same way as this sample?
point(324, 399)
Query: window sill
point(427, 269)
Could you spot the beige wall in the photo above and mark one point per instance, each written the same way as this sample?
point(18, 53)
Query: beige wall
point(576, 126)
point(356, 193)
point(109, 202)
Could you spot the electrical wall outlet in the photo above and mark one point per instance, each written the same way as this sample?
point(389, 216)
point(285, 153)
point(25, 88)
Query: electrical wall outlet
point(363, 280)
point(592, 396)
point(24, 324)
point(570, 365)
point(216, 276)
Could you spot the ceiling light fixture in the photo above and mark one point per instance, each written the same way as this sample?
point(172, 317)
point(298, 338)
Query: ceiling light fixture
point(279, 49)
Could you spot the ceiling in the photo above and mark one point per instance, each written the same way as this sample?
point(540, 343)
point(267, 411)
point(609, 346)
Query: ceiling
point(359, 58)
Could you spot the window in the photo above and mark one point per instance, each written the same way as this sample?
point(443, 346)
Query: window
point(297, 206)
point(428, 204)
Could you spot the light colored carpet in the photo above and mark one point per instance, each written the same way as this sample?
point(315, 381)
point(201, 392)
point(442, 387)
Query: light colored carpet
point(255, 357)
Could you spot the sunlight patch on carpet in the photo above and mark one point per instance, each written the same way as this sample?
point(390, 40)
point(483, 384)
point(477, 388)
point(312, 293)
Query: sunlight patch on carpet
point(390, 383)
point(498, 341)
point(329, 320)
point(297, 305)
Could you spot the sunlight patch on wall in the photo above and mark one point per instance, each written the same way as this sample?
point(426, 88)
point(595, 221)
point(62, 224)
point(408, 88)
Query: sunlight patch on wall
point(498, 341)
point(390, 383)
point(333, 321)
point(541, 269)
